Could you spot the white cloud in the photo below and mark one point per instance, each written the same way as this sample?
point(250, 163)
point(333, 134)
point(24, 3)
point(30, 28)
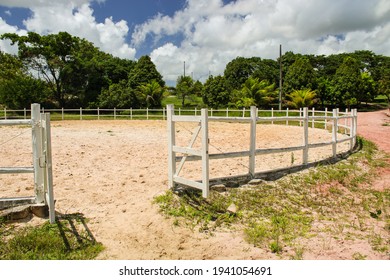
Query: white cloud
point(75, 17)
point(215, 33)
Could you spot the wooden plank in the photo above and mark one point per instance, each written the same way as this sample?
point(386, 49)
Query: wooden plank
point(15, 122)
point(16, 170)
point(278, 150)
point(186, 151)
point(230, 119)
point(186, 118)
point(319, 145)
point(186, 182)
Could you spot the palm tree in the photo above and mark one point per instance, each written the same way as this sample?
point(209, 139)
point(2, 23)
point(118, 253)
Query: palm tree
point(151, 94)
point(301, 98)
point(261, 92)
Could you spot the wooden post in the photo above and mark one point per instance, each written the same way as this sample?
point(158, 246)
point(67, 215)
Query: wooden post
point(334, 132)
point(114, 113)
point(252, 149)
point(49, 194)
point(306, 135)
point(98, 111)
point(37, 153)
point(243, 112)
point(5, 113)
point(326, 121)
point(227, 112)
point(313, 110)
point(171, 143)
point(62, 113)
point(205, 153)
point(25, 113)
point(211, 111)
point(81, 113)
point(353, 127)
point(287, 116)
point(272, 115)
point(131, 113)
point(196, 111)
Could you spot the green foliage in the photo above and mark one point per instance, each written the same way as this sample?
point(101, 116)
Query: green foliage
point(300, 75)
point(215, 93)
point(301, 98)
point(144, 72)
point(255, 92)
point(68, 239)
point(151, 94)
point(346, 83)
point(185, 87)
point(117, 96)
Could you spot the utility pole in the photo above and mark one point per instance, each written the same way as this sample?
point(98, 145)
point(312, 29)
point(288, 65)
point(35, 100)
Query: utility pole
point(184, 69)
point(280, 77)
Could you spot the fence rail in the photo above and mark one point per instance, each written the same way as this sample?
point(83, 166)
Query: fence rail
point(340, 122)
point(16, 117)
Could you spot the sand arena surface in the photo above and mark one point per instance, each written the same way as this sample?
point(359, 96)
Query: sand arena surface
point(110, 171)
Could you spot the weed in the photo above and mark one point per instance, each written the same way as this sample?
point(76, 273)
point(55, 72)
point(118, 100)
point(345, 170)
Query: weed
point(60, 241)
point(358, 256)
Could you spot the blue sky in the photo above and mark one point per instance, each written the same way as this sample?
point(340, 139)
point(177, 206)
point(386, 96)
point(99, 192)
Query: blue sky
point(207, 34)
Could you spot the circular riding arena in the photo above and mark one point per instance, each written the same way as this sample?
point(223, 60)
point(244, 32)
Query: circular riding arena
point(110, 171)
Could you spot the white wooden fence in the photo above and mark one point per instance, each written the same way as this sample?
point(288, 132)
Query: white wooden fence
point(340, 123)
point(42, 162)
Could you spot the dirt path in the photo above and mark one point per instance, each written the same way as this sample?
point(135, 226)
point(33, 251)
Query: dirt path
point(375, 126)
point(111, 171)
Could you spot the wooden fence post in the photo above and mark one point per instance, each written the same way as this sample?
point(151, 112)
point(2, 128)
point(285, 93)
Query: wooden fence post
point(37, 153)
point(48, 178)
point(313, 112)
point(171, 143)
point(334, 132)
point(287, 116)
point(205, 153)
point(81, 113)
point(5, 113)
point(305, 135)
point(98, 111)
point(325, 120)
point(252, 149)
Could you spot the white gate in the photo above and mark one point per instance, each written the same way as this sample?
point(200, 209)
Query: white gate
point(42, 163)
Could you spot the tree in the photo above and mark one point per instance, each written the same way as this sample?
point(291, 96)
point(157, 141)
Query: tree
point(151, 94)
point(144, 72)
point(300, 75)
point(237, 72)
point(262, 93)
point(48, 56)
point(215, 92)
point(184, 88)
point(18, 89)
point(301, 98)
point(346, 83)
point(117, 96)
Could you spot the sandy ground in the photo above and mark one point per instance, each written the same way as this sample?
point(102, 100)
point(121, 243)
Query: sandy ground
point(110, 171)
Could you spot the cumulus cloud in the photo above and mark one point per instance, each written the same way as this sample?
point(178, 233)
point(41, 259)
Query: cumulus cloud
point(75, 17)
point(215, 33)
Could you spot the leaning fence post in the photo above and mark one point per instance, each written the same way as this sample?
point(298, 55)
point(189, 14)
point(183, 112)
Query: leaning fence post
point(252, 149)
point(334, 132)
point(305, 135)
point(38, 159)
point(205, 153)
point(171, 143)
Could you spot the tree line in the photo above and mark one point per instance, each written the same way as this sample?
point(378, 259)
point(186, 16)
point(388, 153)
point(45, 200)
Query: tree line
point(61, 70)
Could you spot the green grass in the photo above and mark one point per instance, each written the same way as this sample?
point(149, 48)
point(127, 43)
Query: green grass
point(279, 215)
point(68, 239)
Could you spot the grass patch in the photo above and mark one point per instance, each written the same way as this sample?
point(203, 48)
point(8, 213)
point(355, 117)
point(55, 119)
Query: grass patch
point(279, 216)
point(68, 239)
